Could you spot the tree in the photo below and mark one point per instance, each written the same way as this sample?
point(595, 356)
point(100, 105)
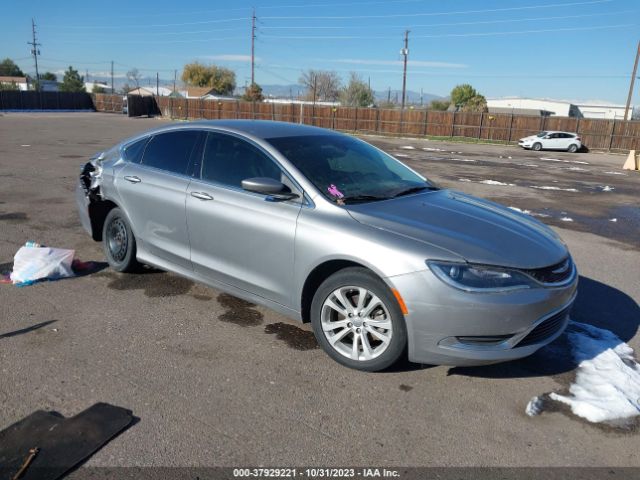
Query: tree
point(323, 86)
point(356, 93)
point(253, 93)
point(8, 68)
point(439, 105)
point(9, 86)
point(221, 80)
point(49, 76)
point(72, 81)
point(134, 76)
point(467, 98)
point(475, 104)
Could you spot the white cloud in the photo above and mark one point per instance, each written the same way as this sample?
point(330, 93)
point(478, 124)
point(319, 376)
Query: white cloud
point(411, 63)
point(229, 58)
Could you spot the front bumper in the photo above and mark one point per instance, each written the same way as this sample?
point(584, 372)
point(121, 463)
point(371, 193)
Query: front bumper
point(446, 326)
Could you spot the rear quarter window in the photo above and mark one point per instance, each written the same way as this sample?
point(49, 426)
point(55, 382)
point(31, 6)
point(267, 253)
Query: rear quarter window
point(133, 152)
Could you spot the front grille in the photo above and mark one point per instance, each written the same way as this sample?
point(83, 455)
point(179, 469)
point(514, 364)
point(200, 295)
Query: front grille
point(545, 329)
point(554, 274)
point(485, 340)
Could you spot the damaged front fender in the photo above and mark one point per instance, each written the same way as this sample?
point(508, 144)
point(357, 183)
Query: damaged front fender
point(92, 206)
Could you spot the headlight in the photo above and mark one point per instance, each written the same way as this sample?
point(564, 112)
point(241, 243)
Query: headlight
point(477, 278)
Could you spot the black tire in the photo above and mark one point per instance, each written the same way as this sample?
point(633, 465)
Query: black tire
point(536, 146)
point(119, 243)
point(361, 277)
point(573, 148)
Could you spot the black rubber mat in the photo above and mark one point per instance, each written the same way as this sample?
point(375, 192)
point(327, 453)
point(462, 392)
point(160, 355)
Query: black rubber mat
point(62, 443)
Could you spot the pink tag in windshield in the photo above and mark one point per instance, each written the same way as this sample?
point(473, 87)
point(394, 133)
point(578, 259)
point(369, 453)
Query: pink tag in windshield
point(333, 190)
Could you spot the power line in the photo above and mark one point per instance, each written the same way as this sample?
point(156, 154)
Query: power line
point(227, 20)
point(451, 24)
point(431, 14)
point(480, 34)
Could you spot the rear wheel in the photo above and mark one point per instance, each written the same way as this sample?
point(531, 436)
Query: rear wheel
point(573, 148)
point(357, 320)
point(119, 243)
point(537, 146)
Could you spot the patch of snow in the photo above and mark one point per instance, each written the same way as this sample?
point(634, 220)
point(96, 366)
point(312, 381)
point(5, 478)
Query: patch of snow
point(459, 153)
point(578, 169)
point(607, 188)
point(546, 187)
point(25, 145)
point(613, 219)
point(541, 215)
point(408, 147)
point(429, 149)
point(607, 384)
point(534, 407)
point(530, 165)
point(401, 155)
point(495, 182)
point(547, 159)
point(526, 212)
point(616, 173)
point(464, 180)
point(463, 159)
point(510, 158)
point(567, 219)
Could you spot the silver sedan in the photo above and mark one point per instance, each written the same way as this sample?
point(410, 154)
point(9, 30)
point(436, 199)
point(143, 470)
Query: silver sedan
point(327, 229)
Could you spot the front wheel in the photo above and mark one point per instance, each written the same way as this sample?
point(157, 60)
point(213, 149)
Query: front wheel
point(357, 320)
point(573, 148)
point(537, 146)
point(119, 243)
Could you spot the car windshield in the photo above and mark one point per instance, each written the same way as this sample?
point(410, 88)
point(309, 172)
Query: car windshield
point(541, 134)
point(347, 170)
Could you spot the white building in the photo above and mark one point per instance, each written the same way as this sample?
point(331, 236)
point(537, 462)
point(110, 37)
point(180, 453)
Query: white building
point(301, 102)
point(20, 82)
point(556, 108)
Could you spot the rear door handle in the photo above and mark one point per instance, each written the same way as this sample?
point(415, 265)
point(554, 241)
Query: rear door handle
point(132, 179)
point(201, 195)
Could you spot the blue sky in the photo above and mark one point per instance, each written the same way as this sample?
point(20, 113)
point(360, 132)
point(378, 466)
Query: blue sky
point(565, 49)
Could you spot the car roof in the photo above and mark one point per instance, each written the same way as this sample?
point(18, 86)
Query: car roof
point(263, 129)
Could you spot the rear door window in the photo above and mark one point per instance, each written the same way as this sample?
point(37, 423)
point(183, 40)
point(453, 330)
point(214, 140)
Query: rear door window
point(228, 160)
point(171, 151)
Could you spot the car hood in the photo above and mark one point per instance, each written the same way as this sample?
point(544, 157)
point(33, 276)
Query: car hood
point(477, 230)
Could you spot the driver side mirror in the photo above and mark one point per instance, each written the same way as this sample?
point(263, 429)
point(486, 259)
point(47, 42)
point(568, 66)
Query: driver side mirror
point(268, 186)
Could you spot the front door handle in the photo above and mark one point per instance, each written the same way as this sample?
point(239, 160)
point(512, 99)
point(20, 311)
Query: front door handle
point(201, 195)
point(132, 179)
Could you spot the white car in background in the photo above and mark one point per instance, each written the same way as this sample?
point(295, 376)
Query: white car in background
point(548, 140)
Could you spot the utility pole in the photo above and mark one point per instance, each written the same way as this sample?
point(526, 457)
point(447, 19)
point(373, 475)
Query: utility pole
point(389, 95)
point(112, 89)
point(175, 74)
point(633, 81)
point(157, 84)
point(405, 52)
point(35, 51)
point(253, 41)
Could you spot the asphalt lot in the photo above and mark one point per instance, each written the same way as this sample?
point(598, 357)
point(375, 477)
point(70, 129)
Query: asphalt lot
point(217, 381)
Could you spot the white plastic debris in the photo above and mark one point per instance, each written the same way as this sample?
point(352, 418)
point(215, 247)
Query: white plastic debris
point(607, 384)
point(37, 263)
point(534, 407)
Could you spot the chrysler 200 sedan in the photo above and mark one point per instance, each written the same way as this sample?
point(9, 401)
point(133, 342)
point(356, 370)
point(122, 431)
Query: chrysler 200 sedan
point(328, 229)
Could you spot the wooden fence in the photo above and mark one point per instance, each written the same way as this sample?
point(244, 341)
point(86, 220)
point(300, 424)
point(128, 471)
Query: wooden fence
point(32, 100)
point(609, 135)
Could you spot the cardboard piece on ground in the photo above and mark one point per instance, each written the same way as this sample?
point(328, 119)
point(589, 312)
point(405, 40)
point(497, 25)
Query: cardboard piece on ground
point(63, 443)
point(632, 162)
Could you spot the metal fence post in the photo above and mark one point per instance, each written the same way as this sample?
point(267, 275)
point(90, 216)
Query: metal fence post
point(510, 128)
point(613, 131)
point(453, 123)
point(355, 126)
point(426, 122)
point(480, 127)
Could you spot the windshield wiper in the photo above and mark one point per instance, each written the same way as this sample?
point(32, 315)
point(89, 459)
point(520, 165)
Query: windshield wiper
point(411, 190)
point(363, 198)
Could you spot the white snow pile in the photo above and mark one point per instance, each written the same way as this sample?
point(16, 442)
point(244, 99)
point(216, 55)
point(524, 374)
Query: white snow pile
point(616, 173)
point(463, 159)
point(566, 219)
point(529, 212)
point(401, 155)
point(607, 384)
point(526, 212)
point(495, 182)
point(430, 149)
point(606, 188)
point(578, 169)
point(546, 187)
point(546, 159)
point(464, 180)
point(613, 219)
point(408, 147)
